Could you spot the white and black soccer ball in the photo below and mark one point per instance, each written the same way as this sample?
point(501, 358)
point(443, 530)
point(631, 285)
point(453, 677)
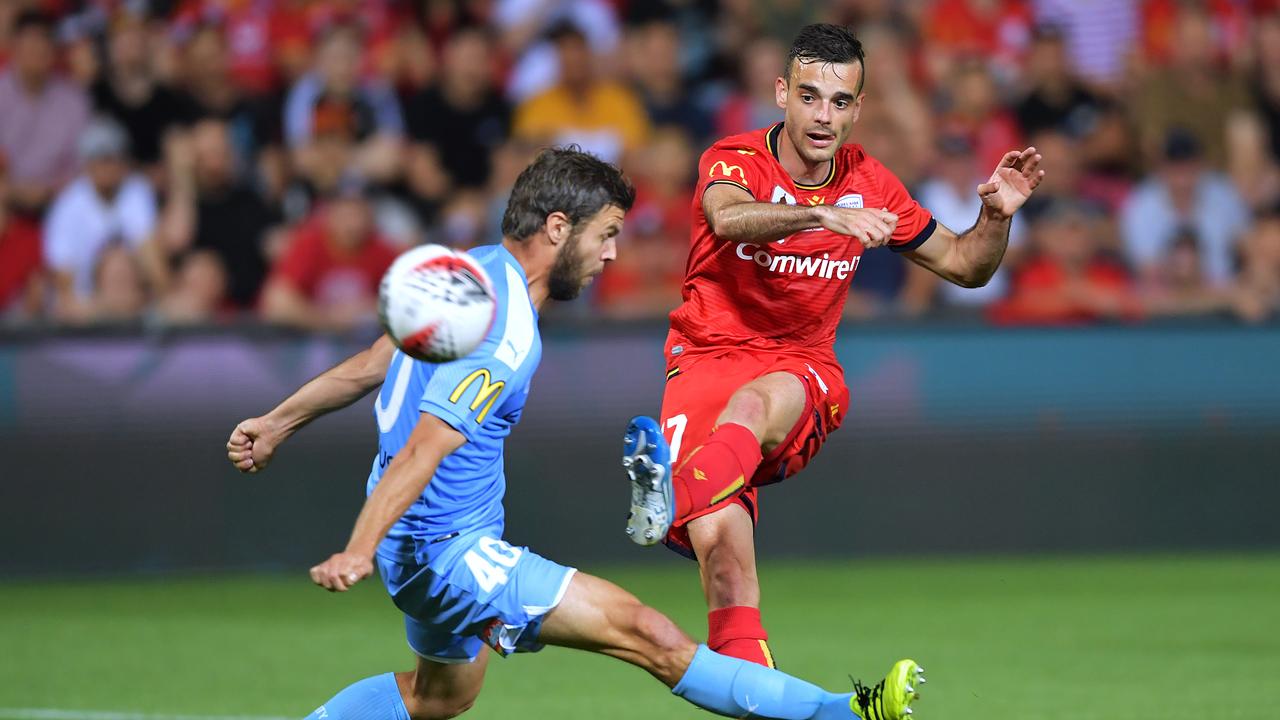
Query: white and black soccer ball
point(437, 304)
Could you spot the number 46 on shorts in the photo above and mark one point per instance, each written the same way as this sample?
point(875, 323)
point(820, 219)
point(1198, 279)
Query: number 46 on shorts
point(490, 565)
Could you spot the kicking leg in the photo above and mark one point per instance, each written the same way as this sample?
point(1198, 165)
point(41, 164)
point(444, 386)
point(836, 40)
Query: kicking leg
point(432, 691)
point(598, 616)
point(724, 540)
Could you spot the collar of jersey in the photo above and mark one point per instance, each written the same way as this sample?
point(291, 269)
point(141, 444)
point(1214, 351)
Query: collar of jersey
point(771, 142)
point(512, 261)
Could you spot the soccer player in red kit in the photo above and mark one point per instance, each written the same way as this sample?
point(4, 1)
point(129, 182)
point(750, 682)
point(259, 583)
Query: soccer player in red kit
point(783, 216)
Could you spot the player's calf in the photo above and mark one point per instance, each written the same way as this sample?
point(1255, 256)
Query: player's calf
point(647, 460)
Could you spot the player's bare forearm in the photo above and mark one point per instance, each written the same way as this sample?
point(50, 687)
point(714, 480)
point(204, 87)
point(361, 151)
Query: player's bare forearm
point(980, 249)
point(760, 222)
point(735, 216)
point(406, 477)
point(335, 388)
point(970, 258)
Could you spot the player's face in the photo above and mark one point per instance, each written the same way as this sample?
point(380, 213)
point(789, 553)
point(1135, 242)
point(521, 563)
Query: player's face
point(821, 104)
point(591, 244)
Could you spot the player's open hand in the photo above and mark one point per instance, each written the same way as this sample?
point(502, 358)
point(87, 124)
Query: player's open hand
point(251, 445)
point(1013, 181)
point(341, 571)
point(873, 228)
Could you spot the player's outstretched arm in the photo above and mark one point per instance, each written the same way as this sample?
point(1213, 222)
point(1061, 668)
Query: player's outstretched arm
point(736, 216)
point(405, 479)
point(970, 258)
point(254, 441)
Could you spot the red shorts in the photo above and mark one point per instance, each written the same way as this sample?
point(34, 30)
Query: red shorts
point(699, 385)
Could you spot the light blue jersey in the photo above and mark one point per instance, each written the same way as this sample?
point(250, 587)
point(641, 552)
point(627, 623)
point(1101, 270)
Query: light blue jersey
point(480, 395)
point(444, 562)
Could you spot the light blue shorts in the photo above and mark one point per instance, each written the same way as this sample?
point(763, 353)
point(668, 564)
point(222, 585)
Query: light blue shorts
point(471, 590)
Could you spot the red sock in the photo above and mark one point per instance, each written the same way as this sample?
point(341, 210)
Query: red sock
point(716, 470)
point(737, 632)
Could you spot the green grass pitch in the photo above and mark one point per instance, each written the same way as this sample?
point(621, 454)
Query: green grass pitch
point(1031, 639)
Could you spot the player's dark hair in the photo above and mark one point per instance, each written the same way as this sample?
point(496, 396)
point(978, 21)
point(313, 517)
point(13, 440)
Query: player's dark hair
point(566, 180)
point(827, 44)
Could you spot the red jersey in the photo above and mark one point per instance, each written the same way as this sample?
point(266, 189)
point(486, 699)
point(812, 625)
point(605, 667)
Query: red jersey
point(791, 292)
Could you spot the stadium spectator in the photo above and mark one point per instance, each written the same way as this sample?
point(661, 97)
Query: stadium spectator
point(528, 32)
point(119, 287)
point(755, 103)
point(42, 116)
point(1055, 97)
point(1183, 193)
point(975, 112)
point(198, 293)
point(209, 207)
point(253, 48)
point(1100, 36)
point(653, 60)
point(327, 277)
point(462, 120)
point(21, 265)
point(1178, 285)
point(1257, 292)
point(333, 106)
point(208, 91)
point(1068, 280)
point(644, 281)
point(951, 196)
point(107, 207)
point(129, 92)
point(1266, 74)
point(998, 30)
point(602, 116)
point(896, 125)
point(1193, 93)
point(1253, 171)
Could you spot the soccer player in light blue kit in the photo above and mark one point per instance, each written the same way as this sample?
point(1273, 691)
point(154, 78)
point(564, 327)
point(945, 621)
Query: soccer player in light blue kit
point(433, 519)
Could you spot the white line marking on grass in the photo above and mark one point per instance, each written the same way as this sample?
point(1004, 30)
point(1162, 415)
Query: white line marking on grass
point(60, 714)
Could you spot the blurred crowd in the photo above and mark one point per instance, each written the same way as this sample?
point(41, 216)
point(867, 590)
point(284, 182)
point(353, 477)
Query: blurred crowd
point(204, 161)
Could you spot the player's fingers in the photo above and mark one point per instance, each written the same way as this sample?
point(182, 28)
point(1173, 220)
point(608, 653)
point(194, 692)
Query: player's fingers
point(1010, 158)
point(1033, 164)
point(988, 188)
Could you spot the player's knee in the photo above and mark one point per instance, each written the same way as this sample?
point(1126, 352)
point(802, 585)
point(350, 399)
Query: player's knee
point(749, 407)
point(660, 641)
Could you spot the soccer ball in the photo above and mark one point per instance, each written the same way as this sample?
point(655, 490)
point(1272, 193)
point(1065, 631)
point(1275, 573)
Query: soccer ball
point(437, 304)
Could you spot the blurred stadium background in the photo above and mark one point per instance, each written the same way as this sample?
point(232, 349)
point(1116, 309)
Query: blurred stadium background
point(1068, 476)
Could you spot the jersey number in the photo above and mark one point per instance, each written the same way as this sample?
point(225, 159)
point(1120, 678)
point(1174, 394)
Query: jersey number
point(491, 574)
point(389, 413)
point(678, 422)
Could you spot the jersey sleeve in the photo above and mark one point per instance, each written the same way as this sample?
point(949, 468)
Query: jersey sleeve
point(465, 392)
point(730, 164)
point(915, 223)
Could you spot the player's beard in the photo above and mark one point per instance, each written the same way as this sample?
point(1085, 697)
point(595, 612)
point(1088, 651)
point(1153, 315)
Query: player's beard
point(565, 280)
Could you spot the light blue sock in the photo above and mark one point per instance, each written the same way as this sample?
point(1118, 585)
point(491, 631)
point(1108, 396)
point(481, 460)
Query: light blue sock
point(737, 688)
point(373, 698)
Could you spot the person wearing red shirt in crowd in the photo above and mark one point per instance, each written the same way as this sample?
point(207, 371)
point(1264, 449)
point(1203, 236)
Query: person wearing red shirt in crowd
point(782, 217)
point(21, 259)
point(1069, 281)
point(327, 278)
point(645, 280)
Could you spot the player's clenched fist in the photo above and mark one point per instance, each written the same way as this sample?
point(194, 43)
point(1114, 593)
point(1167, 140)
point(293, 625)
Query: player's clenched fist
point(341, 571)
point(251, 445)
point(873, 228)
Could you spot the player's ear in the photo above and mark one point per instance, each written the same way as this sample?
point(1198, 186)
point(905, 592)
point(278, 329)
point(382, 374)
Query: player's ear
point(857, 106)
point(558, 228)
point(780, 91)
